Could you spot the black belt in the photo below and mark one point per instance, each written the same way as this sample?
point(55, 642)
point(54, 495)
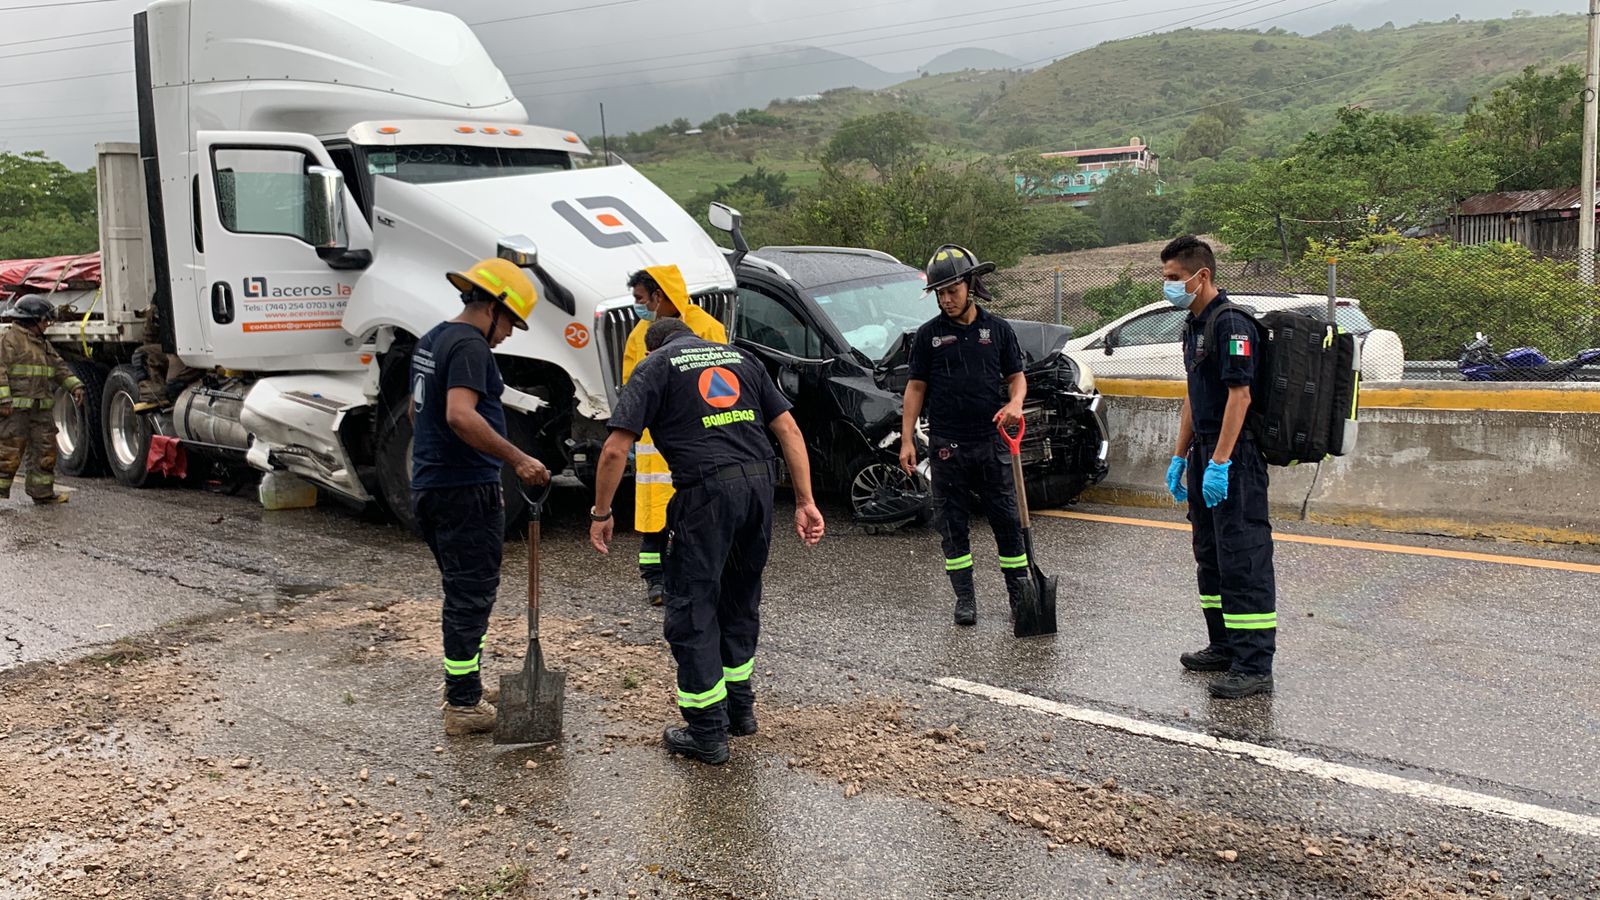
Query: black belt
point(761, 468)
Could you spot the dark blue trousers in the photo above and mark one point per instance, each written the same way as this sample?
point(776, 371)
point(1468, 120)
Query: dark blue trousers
point(1233, 557)
point(465, 528)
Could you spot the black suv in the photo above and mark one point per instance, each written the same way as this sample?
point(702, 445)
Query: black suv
point(834, 326)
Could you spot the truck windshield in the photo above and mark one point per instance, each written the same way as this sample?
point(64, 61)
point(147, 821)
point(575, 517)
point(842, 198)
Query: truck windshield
point(434, 163)
point(874, 312)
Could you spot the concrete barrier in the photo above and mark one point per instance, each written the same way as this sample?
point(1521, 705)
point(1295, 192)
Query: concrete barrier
point(1433, 460)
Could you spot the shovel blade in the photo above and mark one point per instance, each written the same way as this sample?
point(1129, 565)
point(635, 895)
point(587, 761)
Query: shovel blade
point(531, 703)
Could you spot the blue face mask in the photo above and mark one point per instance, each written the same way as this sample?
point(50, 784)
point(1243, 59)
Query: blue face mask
point(1176, 295)
point(643, 312)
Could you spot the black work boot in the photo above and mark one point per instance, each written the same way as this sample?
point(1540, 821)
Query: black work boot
point(742, 724)
point(1238, 685)
point(966, 597)
point(1019, 588)
point(682, 743)
point(1211, 658)
point(655, 592)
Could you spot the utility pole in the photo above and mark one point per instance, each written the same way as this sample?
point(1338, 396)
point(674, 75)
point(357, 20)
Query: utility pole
point(1591, 118)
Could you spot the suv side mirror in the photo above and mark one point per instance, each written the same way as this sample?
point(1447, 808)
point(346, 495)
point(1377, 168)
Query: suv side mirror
point(325, 209)
point(725, 218)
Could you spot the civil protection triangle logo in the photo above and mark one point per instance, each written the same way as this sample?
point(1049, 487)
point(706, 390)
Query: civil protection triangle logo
point(719, 387)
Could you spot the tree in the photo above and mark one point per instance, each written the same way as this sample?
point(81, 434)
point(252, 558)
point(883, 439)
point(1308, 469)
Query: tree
point(886, 141)
point(1370, 172)
point(1206, 137)
point(1060, 228)
point(1532, 129)
point(913, 211)
point(46, 209)
point(1134, 207)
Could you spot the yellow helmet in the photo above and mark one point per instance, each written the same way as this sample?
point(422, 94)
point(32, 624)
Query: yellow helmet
point(504, 281)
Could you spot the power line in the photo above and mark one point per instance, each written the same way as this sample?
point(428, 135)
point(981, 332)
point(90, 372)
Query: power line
point(840, 44)
point(53, 5)
point(65, 49)
point(95, 115)
point(554, 12)
point(67, 78)
point(61, 37)
point(817, 37)
point(702, 32)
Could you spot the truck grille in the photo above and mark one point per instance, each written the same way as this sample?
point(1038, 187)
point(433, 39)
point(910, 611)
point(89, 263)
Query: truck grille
point(616, 324)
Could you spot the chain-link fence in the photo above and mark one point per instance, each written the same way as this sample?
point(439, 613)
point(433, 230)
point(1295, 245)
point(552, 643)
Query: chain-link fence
point(1428, 312)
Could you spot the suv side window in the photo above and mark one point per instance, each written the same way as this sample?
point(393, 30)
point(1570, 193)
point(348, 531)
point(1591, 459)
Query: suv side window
point(766, 321)
point(1162, 326)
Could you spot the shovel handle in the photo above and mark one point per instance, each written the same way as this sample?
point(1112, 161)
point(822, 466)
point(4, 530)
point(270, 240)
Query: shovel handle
point(535, 506)
point(1015, 443)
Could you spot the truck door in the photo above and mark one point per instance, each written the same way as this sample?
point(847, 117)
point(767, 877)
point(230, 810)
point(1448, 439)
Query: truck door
point(284, 244)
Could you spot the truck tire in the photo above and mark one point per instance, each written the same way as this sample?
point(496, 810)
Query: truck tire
point(127, 432)
point(393, 456)
point(80, 441)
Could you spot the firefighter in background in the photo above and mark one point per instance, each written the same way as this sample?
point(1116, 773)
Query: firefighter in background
point(659, 292)
point(31, 371)
point(966, 373)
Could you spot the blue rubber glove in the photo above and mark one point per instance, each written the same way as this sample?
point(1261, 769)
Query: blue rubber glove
point(1215, 485)
point(1175, 474)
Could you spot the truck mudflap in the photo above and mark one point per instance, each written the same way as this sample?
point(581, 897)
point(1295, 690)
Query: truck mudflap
point(294, 422)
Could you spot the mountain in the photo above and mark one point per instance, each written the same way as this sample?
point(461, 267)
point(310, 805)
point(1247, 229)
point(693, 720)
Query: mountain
point(693, 93)
point(1285, 84)
point(970, 58)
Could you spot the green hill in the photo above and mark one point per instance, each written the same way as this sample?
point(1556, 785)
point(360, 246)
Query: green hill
point(1282, 84)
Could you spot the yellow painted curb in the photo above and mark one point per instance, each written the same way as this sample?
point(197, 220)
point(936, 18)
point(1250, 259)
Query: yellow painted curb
point(1509, 400)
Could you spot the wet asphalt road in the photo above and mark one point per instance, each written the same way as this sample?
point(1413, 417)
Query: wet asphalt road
point(1452, 672)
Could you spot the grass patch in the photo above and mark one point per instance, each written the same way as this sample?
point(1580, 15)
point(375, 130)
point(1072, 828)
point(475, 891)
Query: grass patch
point(505, 880)
point(632, 680)
point(348, 699)
point(123, 653)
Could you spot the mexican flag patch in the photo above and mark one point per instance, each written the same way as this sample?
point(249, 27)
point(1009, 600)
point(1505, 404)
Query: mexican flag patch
point(1239, 345)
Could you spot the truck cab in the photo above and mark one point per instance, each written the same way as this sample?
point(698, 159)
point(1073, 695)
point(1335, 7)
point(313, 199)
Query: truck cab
point(310, 172)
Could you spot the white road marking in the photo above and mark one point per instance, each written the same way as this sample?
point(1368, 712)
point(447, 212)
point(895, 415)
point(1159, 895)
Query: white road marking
point(1576, 823)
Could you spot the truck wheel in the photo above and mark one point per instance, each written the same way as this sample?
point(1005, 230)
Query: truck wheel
point(394, 462)
point(80, 442)
point(127, 431)
point(878, 496)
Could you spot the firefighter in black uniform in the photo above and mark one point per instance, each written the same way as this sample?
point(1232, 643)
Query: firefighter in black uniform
point(709, 406)
point(1218, 470)
point(967, 365)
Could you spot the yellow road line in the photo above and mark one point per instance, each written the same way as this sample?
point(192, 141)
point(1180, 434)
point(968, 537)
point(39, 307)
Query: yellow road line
point(1401, 549)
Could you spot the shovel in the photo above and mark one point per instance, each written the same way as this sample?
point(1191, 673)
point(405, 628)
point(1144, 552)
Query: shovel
point(531, 700)
point(1035, 612)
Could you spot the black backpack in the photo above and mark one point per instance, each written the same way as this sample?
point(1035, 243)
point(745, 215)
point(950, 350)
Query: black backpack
point(1307, 387)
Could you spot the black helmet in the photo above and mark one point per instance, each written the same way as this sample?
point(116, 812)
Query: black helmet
point(31, 308)
point(952, 263)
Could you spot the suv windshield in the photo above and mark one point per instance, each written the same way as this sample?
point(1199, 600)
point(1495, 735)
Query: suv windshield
point(434, 163)
point(872, 313)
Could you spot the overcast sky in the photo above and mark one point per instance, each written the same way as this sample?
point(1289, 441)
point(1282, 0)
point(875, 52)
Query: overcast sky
point(68, 113)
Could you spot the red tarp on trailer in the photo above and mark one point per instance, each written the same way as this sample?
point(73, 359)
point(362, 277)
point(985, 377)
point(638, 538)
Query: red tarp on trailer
point(31, 276)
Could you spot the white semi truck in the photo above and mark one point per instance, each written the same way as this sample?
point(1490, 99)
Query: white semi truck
point(306, 174)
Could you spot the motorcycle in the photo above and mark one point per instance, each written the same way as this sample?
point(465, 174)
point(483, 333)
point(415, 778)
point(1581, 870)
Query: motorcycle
point(1480, 362)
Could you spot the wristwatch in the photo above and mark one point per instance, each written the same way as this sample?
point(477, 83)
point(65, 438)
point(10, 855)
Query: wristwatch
point(596, 517)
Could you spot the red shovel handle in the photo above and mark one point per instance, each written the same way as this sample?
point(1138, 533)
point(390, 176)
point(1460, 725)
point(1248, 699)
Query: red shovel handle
point(1015, 443)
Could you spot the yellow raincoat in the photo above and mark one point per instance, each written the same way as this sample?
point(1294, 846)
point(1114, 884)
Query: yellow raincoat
point(652, 480)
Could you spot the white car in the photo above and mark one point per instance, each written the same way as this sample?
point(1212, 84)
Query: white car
point(1147, 343)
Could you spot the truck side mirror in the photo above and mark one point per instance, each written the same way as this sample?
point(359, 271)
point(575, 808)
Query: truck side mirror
point(520, 250)
point(725, 218)
point(325, 209)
